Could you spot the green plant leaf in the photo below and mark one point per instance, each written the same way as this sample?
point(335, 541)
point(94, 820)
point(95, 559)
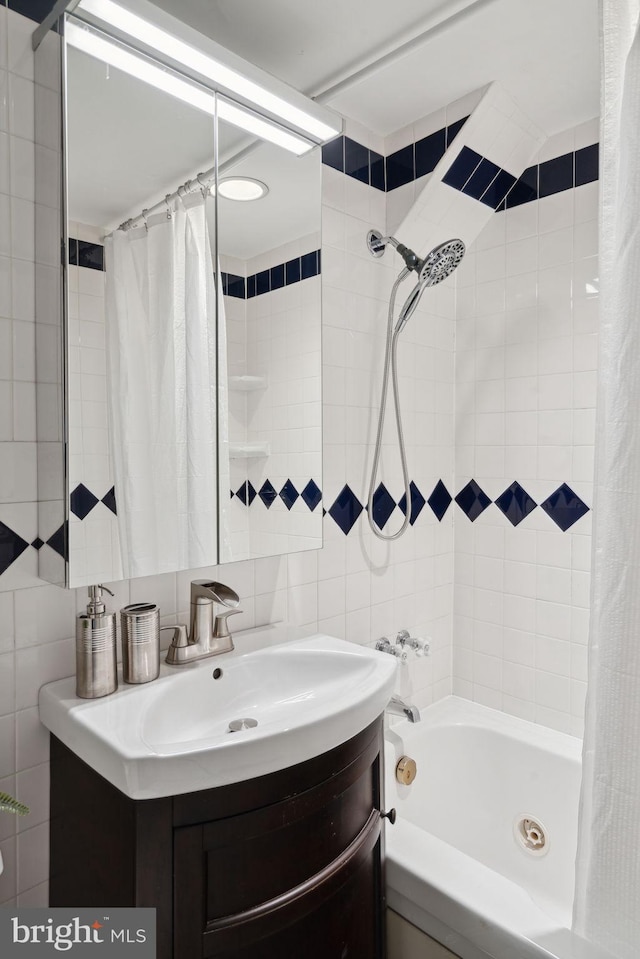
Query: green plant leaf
point(9, 804)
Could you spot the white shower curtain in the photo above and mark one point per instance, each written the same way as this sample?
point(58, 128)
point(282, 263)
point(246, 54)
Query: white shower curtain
point(162, 370)
point(607, 901)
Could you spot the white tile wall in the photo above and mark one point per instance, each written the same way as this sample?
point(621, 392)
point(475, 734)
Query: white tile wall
point(276, 335)
point(520, 595)
point(354, 587)
point(526, 355)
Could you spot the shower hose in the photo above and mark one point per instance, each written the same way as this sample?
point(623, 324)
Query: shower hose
point(390, 365)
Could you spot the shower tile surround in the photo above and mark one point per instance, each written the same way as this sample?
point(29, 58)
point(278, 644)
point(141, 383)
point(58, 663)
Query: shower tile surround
point(513, 374)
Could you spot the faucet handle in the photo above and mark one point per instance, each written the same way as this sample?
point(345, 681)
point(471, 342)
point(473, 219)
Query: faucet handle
point(221, 626)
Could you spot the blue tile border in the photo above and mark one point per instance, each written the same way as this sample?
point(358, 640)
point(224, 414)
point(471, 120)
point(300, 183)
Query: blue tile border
point(563, 507)
point(556, 175)
point(473, 174)
point(86, 254)
point(396, 169)
point(275, 278)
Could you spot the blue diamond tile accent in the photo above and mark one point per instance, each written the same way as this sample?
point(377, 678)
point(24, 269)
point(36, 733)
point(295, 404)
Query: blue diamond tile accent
point(564, 507)
point(246, 493)
point(472, 500)
point(58, 542)
point(311, 495)
point(383, 506)
point(346, 509)
point(267, 493)
point(289, 494)
point(440, 500)
point(515, 503)
point(109, 500)
point(417, 502)
point(82, 501)
point(11, 546)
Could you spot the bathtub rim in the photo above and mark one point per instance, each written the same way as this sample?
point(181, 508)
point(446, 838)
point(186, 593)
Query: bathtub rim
point(461, 902)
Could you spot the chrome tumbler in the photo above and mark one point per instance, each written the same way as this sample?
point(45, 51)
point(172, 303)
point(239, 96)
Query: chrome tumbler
point(140, 624)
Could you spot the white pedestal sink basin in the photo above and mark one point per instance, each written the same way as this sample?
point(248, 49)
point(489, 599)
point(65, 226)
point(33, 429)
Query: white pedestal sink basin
point(172, 735)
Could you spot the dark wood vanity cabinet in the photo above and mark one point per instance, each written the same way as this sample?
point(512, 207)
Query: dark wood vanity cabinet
point(281, 866)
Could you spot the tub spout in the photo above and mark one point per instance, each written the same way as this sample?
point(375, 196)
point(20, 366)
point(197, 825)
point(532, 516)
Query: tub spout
point(398, 707)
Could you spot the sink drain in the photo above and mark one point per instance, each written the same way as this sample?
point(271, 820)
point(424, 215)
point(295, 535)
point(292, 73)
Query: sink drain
point(531, 835)
point(237, 724)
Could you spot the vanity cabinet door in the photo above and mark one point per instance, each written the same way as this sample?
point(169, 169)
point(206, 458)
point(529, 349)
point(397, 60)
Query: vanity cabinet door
point(299, 876)
point(336, 914)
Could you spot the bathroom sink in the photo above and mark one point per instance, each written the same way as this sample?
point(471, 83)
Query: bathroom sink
point(286, 703)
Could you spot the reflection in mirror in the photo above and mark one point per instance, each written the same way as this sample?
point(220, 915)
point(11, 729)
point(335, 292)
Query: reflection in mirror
point(142, 471)
point(269, 252)
point(148, 342)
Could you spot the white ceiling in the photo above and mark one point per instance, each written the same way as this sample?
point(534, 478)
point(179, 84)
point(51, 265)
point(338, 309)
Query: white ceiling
point(131, 144)
point(544, 51)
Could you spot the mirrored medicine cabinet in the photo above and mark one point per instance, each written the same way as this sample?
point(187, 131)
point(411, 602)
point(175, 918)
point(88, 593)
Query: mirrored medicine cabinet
point(179, 341)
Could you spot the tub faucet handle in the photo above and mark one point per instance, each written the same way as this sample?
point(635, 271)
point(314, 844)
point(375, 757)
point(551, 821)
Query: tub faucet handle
point(385, 646)
point(404, 639)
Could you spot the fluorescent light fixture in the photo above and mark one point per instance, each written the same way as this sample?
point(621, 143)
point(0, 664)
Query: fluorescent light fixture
point(193, 58)
point(89, 41)
point(242, 188)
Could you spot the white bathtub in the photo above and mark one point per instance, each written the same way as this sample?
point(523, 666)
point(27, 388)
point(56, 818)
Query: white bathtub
point(456, 868)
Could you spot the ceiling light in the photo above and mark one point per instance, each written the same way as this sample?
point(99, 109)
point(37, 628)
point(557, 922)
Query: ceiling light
point(242, 188)
point(314, 121)
point(96, 45)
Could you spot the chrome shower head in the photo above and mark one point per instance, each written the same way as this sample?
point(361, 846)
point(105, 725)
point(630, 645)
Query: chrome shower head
point(441, 262)
point(436, 266)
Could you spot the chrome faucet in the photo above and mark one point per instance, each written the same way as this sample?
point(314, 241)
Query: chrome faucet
point(398, 707)
point(208, 635)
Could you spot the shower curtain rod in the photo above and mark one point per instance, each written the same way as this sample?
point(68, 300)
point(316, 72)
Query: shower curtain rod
point(201, 181)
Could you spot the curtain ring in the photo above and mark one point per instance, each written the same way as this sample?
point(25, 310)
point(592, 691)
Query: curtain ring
point(205, 188)
point(166, 200)
point(144, 217)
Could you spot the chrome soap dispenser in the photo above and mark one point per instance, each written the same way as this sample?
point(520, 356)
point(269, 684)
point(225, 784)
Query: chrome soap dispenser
point(96, 666)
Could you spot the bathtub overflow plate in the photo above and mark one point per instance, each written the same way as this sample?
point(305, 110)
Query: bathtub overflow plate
point(531, 835)
point(406, 770)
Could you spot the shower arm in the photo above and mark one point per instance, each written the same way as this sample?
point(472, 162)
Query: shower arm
point(378, 243)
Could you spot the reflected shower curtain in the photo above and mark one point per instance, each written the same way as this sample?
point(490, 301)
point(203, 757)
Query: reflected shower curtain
point(607, 901)
point(162, 357)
